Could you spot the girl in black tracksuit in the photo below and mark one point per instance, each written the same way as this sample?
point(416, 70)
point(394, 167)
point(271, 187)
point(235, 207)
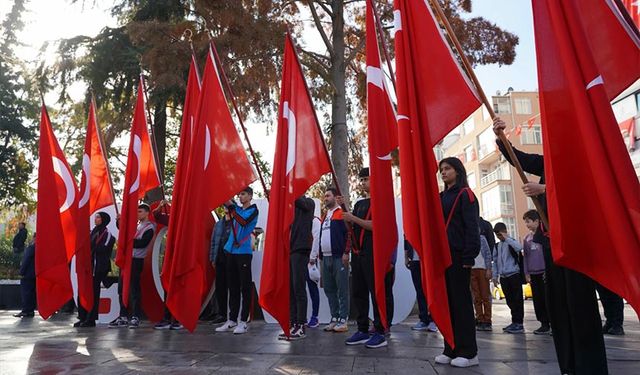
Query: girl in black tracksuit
point(102, 242)
point(461, 214)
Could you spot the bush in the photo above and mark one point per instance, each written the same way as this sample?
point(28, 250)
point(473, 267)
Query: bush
point(9, 262)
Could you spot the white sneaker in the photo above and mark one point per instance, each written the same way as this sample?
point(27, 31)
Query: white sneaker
point(443, 359)
point(465, 362)
point(329, 327)
point(241, 328)
point(227, 327)
point(432, 327)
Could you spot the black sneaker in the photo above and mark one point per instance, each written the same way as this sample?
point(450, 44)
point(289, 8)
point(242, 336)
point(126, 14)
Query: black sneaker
point(606, 327)
point(543, 330)
point(78, 324)
point(298, 333)
point(616, 331)
point(134, 323)
point(87, 324)
point(163, 325)
point(120, 322)
point(488, 327)
point(505, 329)
point(292, 329)
point(23, 314)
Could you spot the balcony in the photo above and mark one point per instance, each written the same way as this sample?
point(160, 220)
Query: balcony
point(501, 210)
point(501, 173)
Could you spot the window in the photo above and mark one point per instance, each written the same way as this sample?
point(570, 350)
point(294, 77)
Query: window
point(501, 104)
point(468, 126)
point(497, 202)
point(439, 152)
point(471, 178)
point(469, 154)
point(523, 106)
point(486, 143)
point(531, 136)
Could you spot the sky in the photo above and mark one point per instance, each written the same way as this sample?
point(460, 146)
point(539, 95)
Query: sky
point(49, 20)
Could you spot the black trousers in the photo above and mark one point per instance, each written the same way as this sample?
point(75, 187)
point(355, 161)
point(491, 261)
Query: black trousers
point(135, 290)
point(389, 279)
point(222, 289)
point(240, 284)
point(298, 272)
point(539, 298)
point(512, 288)
point(90, 316)
point(613, 306)
point(575, 320)
point(458, 280)
point(28, 293)
point(363, 286)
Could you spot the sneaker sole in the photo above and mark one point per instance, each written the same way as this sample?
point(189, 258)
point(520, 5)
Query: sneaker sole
point(419, 329)
point(341, 330)
point(515, 332)
point(239, 333)
point(356, 342)
point(161, 328)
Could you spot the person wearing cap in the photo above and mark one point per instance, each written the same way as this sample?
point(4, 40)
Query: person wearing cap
point(102, 242)
point(362, 277)
point(238, 254)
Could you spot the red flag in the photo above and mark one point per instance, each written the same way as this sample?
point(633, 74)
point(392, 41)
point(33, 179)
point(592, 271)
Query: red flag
point(299, 162)
point(633, 7)
point(614, 45)
point(582, 150)
point(382, 138)
point(531, 121)
point(518, 130)
point(57, 222)
point(95, 194)
point(218, 168)
point(189, 113)
point(140, 177)
point(433, 98)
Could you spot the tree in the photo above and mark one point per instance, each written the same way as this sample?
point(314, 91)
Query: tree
point(17, 113)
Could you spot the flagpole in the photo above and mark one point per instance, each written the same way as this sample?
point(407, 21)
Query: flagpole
point(469, 69)
point(237, 111)
point(627, 17)
point(153, 136)
point(383, 41)
point(104, 154)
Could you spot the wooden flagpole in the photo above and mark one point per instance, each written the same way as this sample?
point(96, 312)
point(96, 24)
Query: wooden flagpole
point(435, 5)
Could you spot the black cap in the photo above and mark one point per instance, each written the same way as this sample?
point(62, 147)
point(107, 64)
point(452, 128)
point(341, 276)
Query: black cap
point(364, 172)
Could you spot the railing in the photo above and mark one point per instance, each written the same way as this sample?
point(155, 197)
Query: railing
point(502, 173)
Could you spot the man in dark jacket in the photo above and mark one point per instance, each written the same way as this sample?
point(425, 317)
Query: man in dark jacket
point(28, 281)
point(571, 297)
point(102, 242)
point(20, 238)
point(486, 230)
point(218, 258)
point(300, 248)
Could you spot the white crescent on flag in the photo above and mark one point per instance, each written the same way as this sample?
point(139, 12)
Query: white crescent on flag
point(137, 149)
point(291, 136)
point(86, 165)
point(207, 146)
point(62, 171)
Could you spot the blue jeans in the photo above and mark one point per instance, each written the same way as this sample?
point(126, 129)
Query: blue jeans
point(335, 277)
point(315, 296)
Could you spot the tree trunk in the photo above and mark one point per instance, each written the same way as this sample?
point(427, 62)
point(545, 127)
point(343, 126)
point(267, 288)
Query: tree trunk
point(160, 131)
point(339, 131)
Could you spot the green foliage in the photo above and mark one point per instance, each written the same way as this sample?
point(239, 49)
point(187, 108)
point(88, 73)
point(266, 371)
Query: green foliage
point(9, 262)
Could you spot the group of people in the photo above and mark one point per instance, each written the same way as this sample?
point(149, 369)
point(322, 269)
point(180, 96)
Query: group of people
point(340, 244)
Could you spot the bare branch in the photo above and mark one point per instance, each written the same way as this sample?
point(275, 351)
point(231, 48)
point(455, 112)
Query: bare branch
point(318, 23)
point(318, 58)
point(325, 8)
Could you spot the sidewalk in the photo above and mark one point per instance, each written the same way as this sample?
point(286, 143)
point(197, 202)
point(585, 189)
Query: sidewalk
point(37, 346)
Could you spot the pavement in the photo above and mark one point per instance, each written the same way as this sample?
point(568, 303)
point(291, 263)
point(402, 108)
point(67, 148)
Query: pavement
point(31, 346)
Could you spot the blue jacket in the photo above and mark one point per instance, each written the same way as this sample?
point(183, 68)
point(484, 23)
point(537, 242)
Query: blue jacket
point(338, 230)
point(243, 222)
point(219, 237)
point(504, 264)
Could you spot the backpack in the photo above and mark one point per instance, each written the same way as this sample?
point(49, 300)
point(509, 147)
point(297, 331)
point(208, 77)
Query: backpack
point(520, 261)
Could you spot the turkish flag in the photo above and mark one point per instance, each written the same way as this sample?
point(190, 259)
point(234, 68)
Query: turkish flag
point(218, 168)
point(382, 138)
point(531, 121)
point(95, 194)
point(57, 222)
point(140, 177)
point(434, 97)
point(633, 7)
point(299, 162)
point(189, 112)
point(596, 232)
